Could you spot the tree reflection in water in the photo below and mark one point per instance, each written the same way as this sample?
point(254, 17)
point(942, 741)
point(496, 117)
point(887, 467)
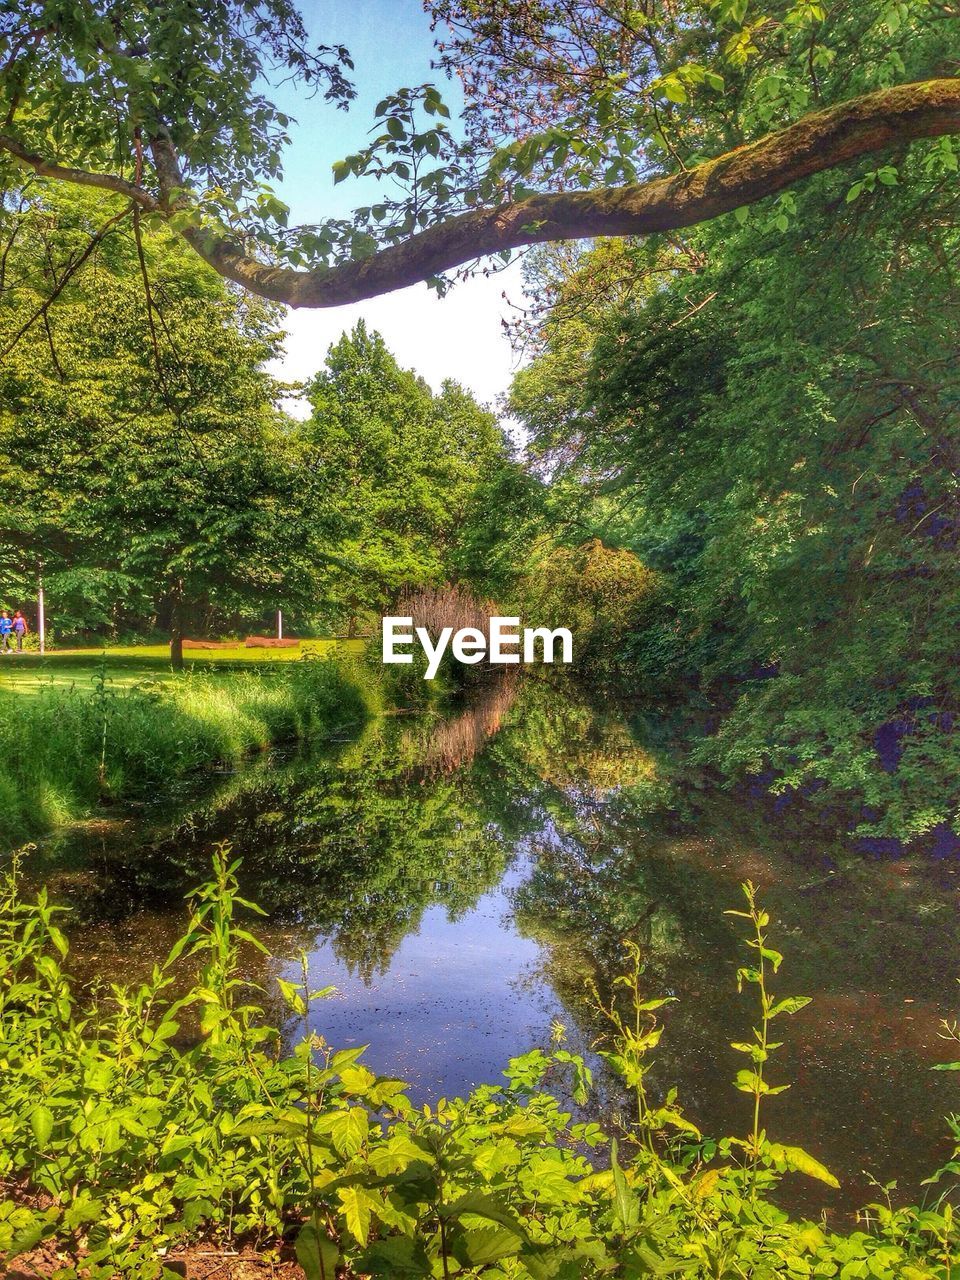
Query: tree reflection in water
point(469, 873)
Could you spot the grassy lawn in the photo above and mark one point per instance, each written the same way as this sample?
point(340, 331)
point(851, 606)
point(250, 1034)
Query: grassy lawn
point(127, 666)
point(64, 752)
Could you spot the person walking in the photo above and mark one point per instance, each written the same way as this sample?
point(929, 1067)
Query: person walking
point(6, 627)
point(19, 629)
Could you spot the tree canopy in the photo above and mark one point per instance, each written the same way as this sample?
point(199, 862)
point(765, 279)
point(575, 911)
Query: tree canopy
point(404, 470)
point(146, 466)
point(583, 119)
point(765, 413)
point(144, 458)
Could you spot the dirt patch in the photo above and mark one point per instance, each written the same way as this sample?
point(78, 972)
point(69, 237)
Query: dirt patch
point(199, 1262)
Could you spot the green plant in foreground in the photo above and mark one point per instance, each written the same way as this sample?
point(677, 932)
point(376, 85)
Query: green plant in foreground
point(634, 1036)
point(136, 1120)
point(753, 1080)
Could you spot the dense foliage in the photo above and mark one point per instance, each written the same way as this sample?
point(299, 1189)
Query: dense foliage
point(764, 411)
point(149, 474)
point(599, 593)
point(143, 462)
point(121, 1143)
point(174, 109)
point(743, 488)
point(406, 469)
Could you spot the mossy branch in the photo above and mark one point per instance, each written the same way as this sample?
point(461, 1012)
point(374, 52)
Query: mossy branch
point(820, 141)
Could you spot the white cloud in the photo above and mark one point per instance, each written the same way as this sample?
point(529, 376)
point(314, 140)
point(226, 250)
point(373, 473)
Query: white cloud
point(459, 336)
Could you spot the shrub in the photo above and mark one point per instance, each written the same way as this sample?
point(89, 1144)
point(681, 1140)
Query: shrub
point(599, 593)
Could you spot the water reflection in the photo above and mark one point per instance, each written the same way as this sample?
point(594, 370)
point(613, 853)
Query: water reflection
point(460, 878)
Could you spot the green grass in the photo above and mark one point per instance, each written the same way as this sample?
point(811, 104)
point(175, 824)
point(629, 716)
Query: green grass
point(130, 666)
point(71, 741)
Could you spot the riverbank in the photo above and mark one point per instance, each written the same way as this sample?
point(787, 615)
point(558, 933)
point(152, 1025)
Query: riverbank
point(76, 735)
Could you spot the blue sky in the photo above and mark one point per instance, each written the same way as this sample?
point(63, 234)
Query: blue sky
point(459, 336)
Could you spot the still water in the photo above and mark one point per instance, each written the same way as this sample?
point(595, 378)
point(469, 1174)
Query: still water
point(460, 880)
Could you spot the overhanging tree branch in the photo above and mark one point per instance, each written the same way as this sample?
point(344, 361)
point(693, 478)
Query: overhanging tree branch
point(76, 177)
point(820, 141)
point(70, 271)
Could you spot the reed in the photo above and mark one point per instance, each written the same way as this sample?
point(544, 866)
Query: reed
point(449, 606)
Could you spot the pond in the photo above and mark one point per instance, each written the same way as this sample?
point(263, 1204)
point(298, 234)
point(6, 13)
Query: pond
point(461, 879)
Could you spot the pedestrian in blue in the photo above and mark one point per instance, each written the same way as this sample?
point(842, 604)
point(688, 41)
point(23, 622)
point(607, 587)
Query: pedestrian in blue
point(6, 626)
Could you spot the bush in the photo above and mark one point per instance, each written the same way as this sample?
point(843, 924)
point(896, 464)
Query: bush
point(138, 1122)
point(600, 594)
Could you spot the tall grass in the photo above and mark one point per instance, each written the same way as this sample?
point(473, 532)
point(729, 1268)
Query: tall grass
point(66, 752)
point(448, 606)
point(435, 608)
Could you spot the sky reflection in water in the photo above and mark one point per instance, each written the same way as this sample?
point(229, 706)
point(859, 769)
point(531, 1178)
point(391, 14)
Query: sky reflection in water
point(459, 881)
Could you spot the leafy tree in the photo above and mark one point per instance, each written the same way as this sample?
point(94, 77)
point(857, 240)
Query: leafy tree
point(599, 593)
point(150, 476)
point(402, 468)
point(146, 469)
point(632, 120)
point(774, 430)
point(503, 524)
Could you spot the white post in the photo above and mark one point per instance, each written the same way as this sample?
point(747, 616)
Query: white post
point(41, 622)
point(279, 624)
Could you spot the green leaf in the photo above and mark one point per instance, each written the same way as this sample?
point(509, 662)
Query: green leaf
point(317, 1254)
point(626, 1206)
point(799, 1161)
point(41, 1125)
point(481, 1245)
point(349, 1130)
point(358, 1205)
point(357, 1080)
point(292, 996)
point(396, 1256)
point(790, 1004)
point(481, 1205)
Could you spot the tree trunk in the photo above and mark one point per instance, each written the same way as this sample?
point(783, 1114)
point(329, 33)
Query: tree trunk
point(176, 628)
